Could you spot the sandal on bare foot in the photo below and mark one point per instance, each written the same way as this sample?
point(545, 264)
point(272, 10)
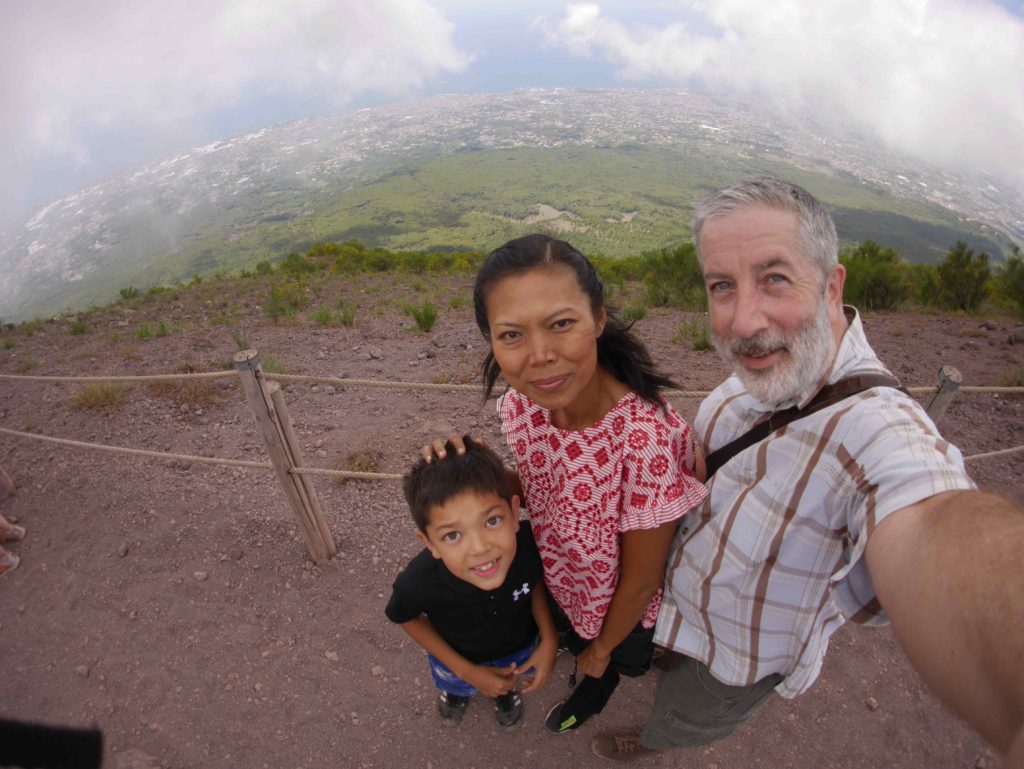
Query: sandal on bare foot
point(8, 562)
point(12, 534)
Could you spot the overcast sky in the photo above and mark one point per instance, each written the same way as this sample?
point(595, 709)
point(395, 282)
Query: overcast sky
point(90, 87)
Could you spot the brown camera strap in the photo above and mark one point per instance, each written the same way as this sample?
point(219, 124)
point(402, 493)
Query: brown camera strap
point(827, 396)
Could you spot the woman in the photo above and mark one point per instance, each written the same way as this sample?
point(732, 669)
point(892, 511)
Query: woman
point(605, 464)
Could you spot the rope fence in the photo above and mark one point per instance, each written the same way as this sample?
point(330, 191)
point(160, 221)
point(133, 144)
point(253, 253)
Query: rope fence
point(391, 384)
point(262, 391)
point(315, 471)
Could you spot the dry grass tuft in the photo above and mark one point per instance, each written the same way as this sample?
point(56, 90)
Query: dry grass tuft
point(364, 460)
point(98, 395)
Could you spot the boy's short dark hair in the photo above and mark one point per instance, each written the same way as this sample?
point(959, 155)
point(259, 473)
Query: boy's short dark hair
point(428, 485)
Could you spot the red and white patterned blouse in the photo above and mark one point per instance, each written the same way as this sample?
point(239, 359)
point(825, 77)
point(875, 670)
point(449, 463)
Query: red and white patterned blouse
point(633, 469)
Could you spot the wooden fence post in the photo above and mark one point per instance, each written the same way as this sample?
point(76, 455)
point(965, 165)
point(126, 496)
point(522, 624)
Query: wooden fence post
point(259, 394)
point(950, 380)
point(305, 483)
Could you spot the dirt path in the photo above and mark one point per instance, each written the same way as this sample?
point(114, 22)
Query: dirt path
point(173, 604)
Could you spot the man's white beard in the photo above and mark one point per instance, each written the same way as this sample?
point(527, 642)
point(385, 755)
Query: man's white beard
point(810, 350)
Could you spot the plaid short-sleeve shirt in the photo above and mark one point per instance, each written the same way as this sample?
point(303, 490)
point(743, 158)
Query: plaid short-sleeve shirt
point(771, 565)
point(633, 469)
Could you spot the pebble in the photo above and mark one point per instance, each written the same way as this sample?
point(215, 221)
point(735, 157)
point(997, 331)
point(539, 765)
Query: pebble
point(981, 763)
point(83, 671)
point(200, 576)
point(123, 550)
point(236, 553)
point(332, 656)
point(330, 390)
point(377, 671)
point(872, 703)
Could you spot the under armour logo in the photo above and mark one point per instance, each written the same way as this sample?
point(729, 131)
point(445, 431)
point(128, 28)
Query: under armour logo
point(524, 590)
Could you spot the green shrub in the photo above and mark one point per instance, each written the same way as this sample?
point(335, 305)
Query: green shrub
point(264, 267)
point(347, 312)
point(876, 277)
point(29, 327)
point(8, 344)
point(696, 332)
point(962, 277)
point(77, 327)
point(925, 280)
point(241, 340)
point(130, 292)
point(634, 312)
point(144, 333)
point(425, 315)
point(285, 300)
point(322, 317)
point(296, 265)
point(161, 329)
point(1011, 280)
point(673, 277)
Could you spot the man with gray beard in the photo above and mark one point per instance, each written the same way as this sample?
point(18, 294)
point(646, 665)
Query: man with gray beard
point(857, 510)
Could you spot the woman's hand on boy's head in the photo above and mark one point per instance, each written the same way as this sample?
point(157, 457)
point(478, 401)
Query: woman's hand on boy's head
point(437, 447)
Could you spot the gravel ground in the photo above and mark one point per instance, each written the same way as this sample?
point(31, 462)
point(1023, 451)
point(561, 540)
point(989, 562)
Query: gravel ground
point(173, 604)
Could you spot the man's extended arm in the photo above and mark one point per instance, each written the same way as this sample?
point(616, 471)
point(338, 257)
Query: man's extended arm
point(949, 572)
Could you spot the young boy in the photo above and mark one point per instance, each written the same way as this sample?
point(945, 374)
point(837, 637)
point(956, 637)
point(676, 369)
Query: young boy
point(474, 599)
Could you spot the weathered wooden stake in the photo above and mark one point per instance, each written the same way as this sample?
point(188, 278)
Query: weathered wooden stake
point(950, 380)
point(305, 483)
point(259, 396)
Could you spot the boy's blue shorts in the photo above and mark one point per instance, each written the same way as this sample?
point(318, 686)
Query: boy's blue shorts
point(447, 681)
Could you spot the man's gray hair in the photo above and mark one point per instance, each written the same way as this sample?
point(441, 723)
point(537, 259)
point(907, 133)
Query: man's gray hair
point(818, 239)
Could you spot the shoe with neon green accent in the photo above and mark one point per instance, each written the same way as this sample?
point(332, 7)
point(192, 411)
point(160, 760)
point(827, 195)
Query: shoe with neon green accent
point(555, 722)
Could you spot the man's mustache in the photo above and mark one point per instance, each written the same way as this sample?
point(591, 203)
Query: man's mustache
point(758, 345)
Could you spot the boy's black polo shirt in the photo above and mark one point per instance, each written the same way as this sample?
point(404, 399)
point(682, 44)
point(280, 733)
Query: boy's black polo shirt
point(481, 625)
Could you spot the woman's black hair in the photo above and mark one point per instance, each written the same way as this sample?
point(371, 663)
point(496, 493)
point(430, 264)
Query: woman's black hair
point(618, 350)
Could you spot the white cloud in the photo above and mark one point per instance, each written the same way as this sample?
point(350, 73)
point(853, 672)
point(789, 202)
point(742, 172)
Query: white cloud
point(942, 79)
point(70, 69)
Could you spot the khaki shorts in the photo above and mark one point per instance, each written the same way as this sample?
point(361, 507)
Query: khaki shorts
point(691, 707)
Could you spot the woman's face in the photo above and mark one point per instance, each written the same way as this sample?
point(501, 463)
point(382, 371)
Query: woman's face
point(544, 336)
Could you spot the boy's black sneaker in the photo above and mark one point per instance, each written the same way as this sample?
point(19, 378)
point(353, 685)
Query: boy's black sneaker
point(508, 709)
point(452, 708)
